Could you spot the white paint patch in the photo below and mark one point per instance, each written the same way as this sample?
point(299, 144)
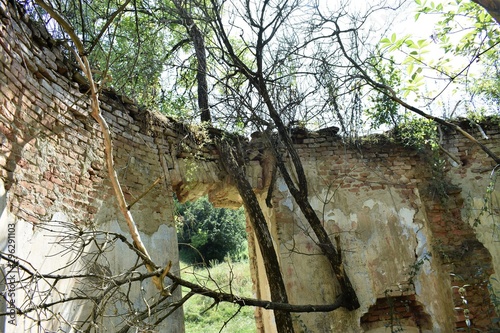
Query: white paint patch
point(344, 222)
point(288, 201)
point(418, 286)
point(421, 249)
point(406, 220)
point(369, 203)
point(45, 248)
point(412, 229)
point(408, 223)
point(316, 203)
point(281, 185)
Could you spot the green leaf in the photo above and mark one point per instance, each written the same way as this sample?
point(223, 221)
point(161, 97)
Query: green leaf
point(385, 41)
point(410, 68)
point(422, 42)
point(410, 43)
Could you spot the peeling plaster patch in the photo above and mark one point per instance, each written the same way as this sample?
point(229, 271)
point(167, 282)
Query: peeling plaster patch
point(316, 203)
point(330, 215)
point(320, 203)
point(40, 251)
point(59, 217)
point(426, 267)
point(344, 222)
point(383, 232)
point(281, 185)
point(43, 250)
point(408, 223)
point(161, 244)
point(288, 202)
point(421, 249)
point(406, 219)
point(487, 233)
point(369, 203)
point(418, 286)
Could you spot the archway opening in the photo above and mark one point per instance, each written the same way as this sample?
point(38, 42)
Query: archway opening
point(213, 250)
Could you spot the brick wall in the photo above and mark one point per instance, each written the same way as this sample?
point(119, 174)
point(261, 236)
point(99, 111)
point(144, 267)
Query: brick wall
point(52, 163)
point(405, 229)
point(396, 312)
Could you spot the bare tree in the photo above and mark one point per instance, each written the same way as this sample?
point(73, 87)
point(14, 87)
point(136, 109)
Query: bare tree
point(95, 287)
point(268, 21)
point(99, 291)
point(111, 286)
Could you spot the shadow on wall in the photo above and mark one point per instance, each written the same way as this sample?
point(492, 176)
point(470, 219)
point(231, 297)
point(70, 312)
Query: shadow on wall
point(20, 129)
point(4, 220)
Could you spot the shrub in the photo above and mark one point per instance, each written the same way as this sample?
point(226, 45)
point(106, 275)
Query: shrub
point(208, 234)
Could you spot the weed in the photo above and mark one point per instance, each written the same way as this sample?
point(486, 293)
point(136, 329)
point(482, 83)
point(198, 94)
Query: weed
point(394, 319)
point(495, 299)
point(199, 313)
point(490, 207)
point(415, 268)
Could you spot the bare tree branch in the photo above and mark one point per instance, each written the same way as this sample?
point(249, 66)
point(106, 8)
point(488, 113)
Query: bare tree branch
point(108, 144)
point(245, 301)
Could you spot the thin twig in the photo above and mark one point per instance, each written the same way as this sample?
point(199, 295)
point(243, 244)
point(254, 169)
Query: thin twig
point(144, 193)
point(108, 144)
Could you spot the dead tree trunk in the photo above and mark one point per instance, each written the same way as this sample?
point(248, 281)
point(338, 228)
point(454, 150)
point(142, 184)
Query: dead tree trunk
point(230, 158)
point(298, 190)
point(201, 59)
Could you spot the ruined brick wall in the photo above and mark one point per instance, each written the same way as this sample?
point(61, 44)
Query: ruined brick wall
point(52, 168)
point(466, 226)
point(410, 237)
point(406, 224)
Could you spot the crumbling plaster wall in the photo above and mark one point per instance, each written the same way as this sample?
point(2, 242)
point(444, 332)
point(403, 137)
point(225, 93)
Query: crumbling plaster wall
point(374, 196)
point(400, 236)
point(370, 199)
point(53, 174)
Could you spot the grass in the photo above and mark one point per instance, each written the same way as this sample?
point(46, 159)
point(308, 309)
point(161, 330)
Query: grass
point(200, 316)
